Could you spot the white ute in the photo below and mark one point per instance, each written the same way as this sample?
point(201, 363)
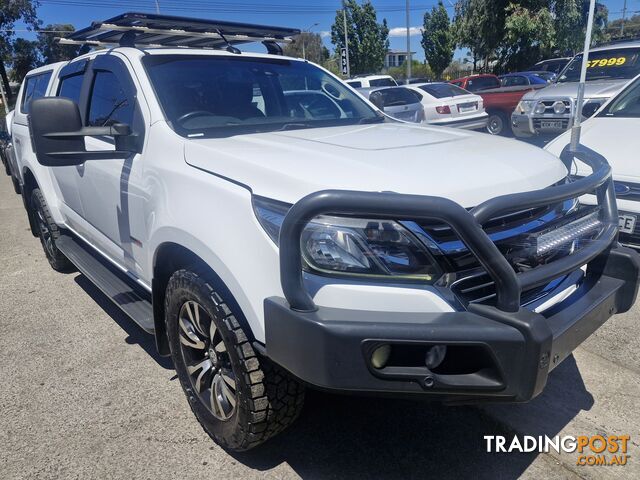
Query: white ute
point(273, 239)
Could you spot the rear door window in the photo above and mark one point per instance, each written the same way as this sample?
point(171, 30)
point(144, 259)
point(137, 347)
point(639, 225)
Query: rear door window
point(35, 87)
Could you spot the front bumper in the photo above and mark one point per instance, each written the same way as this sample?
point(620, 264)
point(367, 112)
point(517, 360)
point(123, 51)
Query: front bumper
point(526, 126)
point(492, 355)
point(502, 352)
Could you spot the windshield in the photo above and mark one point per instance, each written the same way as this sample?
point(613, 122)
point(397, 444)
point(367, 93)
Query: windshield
point(206, 95)
point(626, 105)
point(614, 64)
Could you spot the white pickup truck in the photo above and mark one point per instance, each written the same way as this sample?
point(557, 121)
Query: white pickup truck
point(273, 240)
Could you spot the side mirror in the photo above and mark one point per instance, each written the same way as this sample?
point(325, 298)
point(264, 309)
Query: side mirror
point(58, 135)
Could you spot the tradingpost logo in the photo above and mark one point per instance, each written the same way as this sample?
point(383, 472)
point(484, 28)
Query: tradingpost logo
point(592, 450)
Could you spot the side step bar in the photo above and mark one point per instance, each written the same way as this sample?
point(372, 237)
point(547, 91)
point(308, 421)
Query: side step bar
point(113, 283)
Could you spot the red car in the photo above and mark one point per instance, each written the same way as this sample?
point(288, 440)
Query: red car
point(499, 101)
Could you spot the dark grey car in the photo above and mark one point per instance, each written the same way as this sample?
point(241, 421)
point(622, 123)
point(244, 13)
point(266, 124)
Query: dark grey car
point(397, 102)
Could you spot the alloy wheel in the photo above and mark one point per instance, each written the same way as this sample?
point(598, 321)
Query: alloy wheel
point(207, 360)
point(495, 125)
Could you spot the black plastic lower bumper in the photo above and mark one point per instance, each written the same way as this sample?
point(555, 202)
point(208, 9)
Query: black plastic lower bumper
point(493, 354)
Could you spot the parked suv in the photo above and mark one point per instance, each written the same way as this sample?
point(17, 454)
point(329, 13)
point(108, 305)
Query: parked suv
point(550, 111)
point(268, 247)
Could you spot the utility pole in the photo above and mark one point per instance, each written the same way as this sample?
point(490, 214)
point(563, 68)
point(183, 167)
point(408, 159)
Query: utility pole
point(577, 115)
point(624, 14)
point(408, 60)
point(346, 36)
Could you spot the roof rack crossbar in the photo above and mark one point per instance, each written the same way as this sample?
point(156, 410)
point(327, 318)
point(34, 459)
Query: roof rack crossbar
point(147, 30)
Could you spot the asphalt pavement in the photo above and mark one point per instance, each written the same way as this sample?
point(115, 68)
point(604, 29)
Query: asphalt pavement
point(84, 395)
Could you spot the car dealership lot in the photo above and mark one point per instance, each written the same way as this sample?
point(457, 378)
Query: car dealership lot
point(85, 396)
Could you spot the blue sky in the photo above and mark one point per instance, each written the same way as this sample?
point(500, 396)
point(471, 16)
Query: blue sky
point(291, 13)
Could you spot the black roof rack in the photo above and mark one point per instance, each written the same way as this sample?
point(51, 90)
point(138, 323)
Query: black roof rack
point(144, 29)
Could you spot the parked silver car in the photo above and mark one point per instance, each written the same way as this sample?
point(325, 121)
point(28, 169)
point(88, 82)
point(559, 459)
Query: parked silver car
point(549, 111)
point(398, 102)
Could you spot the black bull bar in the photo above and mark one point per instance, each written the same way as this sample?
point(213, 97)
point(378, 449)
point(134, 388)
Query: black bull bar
point(467, 224)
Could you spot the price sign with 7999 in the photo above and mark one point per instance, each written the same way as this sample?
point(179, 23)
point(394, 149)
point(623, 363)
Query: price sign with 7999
point(607, 62)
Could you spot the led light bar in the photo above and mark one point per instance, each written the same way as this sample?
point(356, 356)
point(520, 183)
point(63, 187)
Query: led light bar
point(567, 233)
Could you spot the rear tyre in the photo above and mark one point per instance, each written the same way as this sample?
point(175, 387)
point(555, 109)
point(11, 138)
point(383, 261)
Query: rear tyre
point(48, 232)
point(498, 124)
point(241, 400)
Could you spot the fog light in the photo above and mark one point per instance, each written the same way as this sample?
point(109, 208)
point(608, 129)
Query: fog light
point(380, 356)
point(435, 355)
point(559, 107)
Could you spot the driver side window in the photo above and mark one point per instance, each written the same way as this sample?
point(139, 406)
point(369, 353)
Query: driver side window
point(109, 103)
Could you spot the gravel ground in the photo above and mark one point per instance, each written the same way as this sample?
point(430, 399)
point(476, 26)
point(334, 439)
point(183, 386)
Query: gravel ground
point(85, 396)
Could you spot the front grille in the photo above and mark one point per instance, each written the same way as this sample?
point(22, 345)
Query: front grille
point(564, 122)
point(480, 288)
point(442, 233)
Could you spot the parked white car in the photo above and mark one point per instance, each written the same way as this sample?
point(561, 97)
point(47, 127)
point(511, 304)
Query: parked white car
point(269, 244)
point(613, 132)
point(448, 105)
point(370, 81)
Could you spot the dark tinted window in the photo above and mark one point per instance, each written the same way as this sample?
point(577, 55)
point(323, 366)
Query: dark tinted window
point(316, 104)
point(393, 97)
point(620, 63)
point(514, 81)
point(109, 103)
point(442, 90)
point(35, 87)
point(355, 84)
point(383, 82)
point(70, 87)
point(482, 83)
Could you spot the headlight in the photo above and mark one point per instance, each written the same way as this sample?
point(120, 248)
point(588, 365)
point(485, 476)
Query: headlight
point(525, 106)
point(354, 246)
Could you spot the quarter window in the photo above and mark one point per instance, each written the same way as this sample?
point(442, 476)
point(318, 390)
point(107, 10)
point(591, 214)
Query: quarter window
point(35, 87)
point(109, 103)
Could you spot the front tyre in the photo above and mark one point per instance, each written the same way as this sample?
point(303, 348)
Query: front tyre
point(240, 399)
point(48, 232)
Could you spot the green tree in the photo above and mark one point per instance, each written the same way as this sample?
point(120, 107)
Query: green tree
point(25, 58)
point(479, 26)
point(437, 39)
point(10, 12)
point(307, 45)
point(50, 50)
point(529, 36)
point(631, 28)
point(368, 39)
point(418, 70)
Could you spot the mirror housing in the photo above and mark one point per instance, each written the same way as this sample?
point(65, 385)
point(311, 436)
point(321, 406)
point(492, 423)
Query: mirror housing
point(58, 135)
